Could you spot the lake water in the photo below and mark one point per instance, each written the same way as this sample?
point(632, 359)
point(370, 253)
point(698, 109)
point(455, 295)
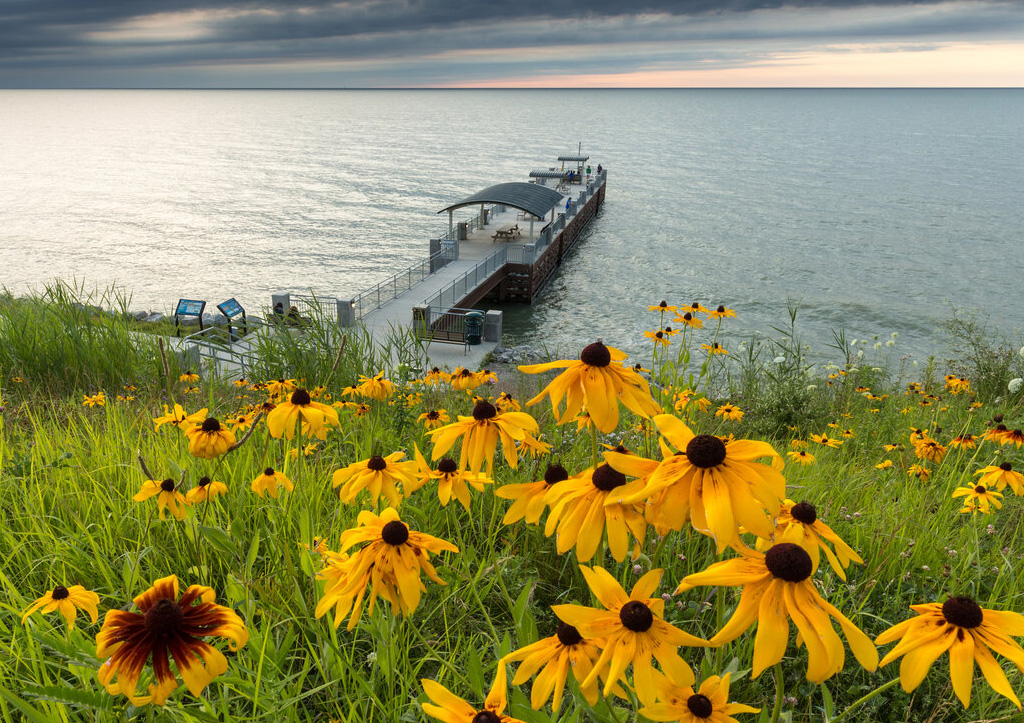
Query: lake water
point(878, 210)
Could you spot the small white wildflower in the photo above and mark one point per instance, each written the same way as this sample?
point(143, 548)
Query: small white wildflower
point(1015, 385)
point(811, 387)
point(925, 568)
point(914, 362)
point(878, 345)
point(895, 335)
point(860, 353)
point(876, 369)
point(890, 343)
point(779, 360)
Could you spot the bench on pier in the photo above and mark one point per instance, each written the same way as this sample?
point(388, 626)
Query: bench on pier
point(443, 336)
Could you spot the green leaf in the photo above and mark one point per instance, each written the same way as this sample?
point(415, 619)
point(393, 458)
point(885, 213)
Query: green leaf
point(829, 705)
point(28, 711)
point(219, 539)
point(91, 699)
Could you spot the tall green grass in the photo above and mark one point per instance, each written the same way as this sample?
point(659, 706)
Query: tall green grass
point(68, 473)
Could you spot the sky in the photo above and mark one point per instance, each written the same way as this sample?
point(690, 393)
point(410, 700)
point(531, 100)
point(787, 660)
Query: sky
point(512, 44)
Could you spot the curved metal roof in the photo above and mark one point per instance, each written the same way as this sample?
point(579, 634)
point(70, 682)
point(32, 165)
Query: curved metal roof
point(530, 197)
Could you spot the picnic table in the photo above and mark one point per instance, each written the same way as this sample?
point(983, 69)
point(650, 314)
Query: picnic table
point(506, 233)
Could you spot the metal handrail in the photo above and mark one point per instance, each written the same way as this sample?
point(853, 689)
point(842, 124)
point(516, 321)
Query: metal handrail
point(458, 288)
point(380, 294)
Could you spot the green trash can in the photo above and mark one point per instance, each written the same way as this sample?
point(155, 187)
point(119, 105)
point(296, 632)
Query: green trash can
point(474, 327)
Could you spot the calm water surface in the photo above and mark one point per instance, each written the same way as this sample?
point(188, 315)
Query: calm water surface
point(879, 211)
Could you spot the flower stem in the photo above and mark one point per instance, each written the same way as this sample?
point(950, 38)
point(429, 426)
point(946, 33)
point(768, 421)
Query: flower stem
point(780, 690)
point(864, 699)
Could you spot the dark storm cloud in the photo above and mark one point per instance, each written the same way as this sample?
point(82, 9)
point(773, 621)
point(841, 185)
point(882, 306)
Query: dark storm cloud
point(46, 36)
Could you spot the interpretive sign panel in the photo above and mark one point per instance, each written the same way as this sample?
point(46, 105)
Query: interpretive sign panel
point(230, 308)
point(188, 307)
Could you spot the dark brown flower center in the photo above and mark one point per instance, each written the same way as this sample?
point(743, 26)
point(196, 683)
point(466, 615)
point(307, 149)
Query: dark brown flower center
point(1006, 467)
point(300, 397)
point(804, 512)
point(486, 716)
point(705, 451)
point(997, 418)
point(484, 410)
point(621, 449)
point(395, 533)
point(269, 471)
point(962, 612)
point(60, 592)
point(1001, 428)
point(788, 561)
point(555, 473)
point(720, 309)
point(167, 485)
point(688, 316)
point(203, 481)
point(596, 355)
point(164, 617)
point(376, 463)
point(636, 616)
point(700, 706)
point(433, 414)
point(567, 634)
point(211, 425)
point(606, 479)
point(447, 465)
point(980, 489)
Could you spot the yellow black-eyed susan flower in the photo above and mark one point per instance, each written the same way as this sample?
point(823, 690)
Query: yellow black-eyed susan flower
point(584, 506)
point(682, 704)
point(663, 307)
point(205, 490)
point(465, 380)
point(633, 632)
point(551, 659)
point(96, 400)
point(269, 481)
point(280, 387)
point(179, 418)
point(301, 409)
point(189, 377)
point(434, 418)
point(715, 485)
point(435, 376)
point(480, 435)
point(722, 313)
point(689, 319)
point(167, 627)
point(598, 381)
point(447, 707)
point(969, 632)
point(777, 586)
point(714, 348)
point(376, 387)
point(801, 456)
point(827, 441)
point(729, 411)
point(798, 522)
point(530, 498)
point(1001, 475)
point(967, 441)
point(376, 475)
point(167, 497)
point(451, 482)
point(209, 440)
point(930, 450)
point(658, 337)
point(67, 601)
point(392, 559)
point(884, 464)
point(978, 498)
